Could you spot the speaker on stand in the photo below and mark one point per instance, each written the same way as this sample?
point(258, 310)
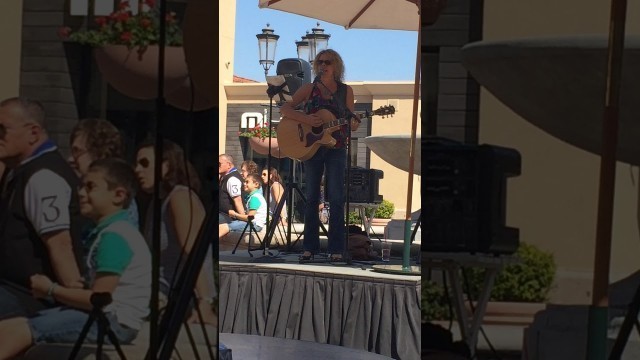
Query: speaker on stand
point(296, 73)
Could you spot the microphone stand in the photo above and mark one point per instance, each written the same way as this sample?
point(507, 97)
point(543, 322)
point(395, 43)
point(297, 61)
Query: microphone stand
point(347, 253)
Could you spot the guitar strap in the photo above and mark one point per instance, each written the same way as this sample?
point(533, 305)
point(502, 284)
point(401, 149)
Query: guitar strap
point(341, 95)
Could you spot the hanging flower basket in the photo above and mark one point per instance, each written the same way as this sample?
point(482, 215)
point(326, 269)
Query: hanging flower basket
point(135, 73)
point(185, 98)
point(126, 50)
point(261, 146)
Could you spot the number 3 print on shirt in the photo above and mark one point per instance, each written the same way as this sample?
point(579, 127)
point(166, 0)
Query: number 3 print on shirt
point(49, 210)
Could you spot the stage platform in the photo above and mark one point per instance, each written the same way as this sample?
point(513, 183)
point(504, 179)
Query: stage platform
point(346, 305)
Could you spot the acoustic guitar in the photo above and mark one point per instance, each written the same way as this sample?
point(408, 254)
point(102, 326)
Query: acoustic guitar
point(301, 141)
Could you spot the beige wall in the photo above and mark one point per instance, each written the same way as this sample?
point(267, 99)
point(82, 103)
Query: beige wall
point(394, 185)
point(554, 201)
point(10, 38)
point(227, 28)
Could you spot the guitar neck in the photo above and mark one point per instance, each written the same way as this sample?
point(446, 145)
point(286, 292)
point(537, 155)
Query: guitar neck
point(334, 123)
point(360, 115)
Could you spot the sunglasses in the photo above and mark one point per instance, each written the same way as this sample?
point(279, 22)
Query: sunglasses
point(326, 62)
point(144, 162)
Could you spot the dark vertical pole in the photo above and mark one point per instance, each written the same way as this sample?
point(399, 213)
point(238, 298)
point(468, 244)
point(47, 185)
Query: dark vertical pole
point(159, 137)
point(597, 335)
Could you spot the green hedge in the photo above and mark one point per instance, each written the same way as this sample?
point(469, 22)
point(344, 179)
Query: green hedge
point(433, 302)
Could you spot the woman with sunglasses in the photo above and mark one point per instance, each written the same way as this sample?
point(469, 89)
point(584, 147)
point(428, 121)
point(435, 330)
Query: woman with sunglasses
point(276, 192)
point(182, 215)
point(329, 92)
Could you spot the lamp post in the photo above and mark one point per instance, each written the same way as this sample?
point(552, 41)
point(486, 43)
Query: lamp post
point(318, 41)
point(302, 47)
point(267, 42)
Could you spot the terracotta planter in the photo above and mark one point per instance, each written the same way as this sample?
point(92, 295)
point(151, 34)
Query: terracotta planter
point(510, 313)
point(261, 146)
point(135, 75)
point(198, 48)
point(379, 222)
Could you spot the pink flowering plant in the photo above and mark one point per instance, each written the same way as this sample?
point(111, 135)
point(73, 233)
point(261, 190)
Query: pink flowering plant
point(259, 131)
point(122, 27)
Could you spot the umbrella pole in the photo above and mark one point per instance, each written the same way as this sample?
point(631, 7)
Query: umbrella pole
point(406, 255)
point(597, 334)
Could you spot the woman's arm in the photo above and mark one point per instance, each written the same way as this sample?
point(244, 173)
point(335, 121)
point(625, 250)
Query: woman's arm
point(188, 218)
point(277, 191)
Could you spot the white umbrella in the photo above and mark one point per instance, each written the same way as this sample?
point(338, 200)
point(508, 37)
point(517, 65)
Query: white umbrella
point(354, 14)
point(374, 14)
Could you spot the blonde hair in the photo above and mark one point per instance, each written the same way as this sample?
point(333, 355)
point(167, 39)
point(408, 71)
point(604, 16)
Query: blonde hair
point(336, 62)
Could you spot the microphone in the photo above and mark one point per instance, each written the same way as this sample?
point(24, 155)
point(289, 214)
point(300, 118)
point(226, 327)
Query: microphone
point(317, 79)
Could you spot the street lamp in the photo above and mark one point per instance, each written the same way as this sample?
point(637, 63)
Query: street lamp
point(302, 47)
point(267, 42)
point(318, 41)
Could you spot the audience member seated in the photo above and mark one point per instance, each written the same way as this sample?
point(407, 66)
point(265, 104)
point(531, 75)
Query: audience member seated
point(119, 263)
point(182, 215)
point(230, 196)
point(41, 220)
point(256, 207)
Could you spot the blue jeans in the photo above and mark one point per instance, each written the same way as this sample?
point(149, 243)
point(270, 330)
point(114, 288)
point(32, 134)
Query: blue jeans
point(64, 324)
point(239, 225)
point(332, 162)
point(16, 301)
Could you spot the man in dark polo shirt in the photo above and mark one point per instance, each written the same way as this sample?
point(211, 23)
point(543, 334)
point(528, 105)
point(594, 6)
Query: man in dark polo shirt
point(230, 188)
point(40, 223)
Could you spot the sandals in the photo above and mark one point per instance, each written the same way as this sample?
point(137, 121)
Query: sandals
point(336, 258)
point(306, 256)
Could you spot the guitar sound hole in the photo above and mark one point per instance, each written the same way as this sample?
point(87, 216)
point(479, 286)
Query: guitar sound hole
point(316, 129)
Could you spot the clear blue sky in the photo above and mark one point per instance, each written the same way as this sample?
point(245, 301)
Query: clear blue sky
point(369, 55)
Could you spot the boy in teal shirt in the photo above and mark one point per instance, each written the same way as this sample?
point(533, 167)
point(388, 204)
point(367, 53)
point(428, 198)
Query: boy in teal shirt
point(118, 262)
point(256, 206)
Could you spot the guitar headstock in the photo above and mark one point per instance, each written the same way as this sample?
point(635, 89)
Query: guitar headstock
point(387, 110)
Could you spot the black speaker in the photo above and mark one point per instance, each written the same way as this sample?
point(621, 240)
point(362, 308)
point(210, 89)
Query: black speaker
point(296, 72)
point(364, 185)
point(464, 197)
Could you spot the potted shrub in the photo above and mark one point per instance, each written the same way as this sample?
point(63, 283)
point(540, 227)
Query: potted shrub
point(126, 51)
point(383, 214)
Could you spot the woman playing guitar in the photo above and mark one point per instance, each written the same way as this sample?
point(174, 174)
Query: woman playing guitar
point(327, 92)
